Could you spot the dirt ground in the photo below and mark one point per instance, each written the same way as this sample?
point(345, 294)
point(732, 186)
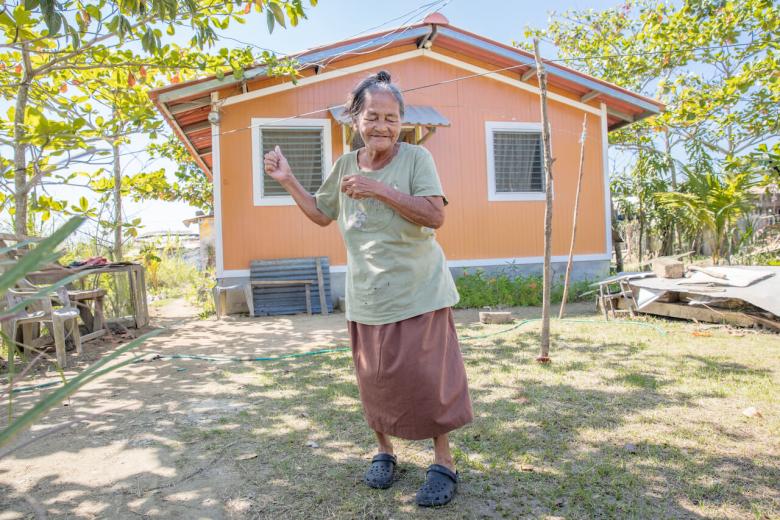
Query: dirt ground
point(122, 456)
point(120, 447)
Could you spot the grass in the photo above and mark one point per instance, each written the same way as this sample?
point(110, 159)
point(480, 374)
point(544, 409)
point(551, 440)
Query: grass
point(624, 423)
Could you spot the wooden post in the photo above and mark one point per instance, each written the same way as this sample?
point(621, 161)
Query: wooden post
point(570, 262)
point(541, 74)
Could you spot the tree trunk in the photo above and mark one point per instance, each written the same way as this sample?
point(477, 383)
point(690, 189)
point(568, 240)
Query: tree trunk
point(673, 231)
point(541, 73)
point(616, 239)
point(21, 189)
point(641, 229)
point(570, 261)
point(117, 202)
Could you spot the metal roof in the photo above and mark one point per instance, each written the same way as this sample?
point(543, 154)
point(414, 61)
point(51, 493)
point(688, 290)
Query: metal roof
point(422, 115)
point(186, 106)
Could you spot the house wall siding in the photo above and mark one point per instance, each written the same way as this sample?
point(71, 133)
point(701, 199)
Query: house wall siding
point(475, 228)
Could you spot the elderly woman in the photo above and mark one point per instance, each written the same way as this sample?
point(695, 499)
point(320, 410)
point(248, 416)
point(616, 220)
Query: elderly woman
point(387, 199)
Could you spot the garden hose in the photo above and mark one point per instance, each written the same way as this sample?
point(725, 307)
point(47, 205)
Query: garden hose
point(245, 359)
point(658, 329)
point(217, 359)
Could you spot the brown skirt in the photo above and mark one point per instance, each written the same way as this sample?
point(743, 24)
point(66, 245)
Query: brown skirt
point(411, 376)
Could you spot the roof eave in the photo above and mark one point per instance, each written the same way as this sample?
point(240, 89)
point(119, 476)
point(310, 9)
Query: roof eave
point(181, 135)
point(524, 58)
point(306, 58)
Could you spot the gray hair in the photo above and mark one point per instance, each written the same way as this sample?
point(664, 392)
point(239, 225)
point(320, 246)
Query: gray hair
point(379, 81)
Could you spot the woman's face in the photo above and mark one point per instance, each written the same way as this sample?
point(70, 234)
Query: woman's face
point(379, 125)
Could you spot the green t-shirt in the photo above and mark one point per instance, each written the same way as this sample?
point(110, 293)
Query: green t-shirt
point(395, 269)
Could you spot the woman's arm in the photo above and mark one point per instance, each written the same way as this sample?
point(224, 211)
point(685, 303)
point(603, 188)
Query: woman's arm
point(425, 211)
point(276, 165)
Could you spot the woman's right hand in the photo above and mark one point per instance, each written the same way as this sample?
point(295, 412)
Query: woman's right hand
point(275, 164)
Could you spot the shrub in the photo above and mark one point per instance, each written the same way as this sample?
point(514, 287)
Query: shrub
point(478, 290)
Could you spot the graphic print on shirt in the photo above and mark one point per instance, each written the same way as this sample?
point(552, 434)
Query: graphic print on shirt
point(367, 215)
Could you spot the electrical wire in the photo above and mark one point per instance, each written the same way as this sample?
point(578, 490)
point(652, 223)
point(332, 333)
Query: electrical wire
point(460, 78)
point(444, 82)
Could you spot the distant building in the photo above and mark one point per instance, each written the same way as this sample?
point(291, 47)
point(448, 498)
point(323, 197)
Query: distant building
point(182, 243)
point(205, 239)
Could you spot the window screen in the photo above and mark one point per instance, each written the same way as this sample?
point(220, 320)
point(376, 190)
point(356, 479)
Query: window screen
point(518, 161)
point(303, 149)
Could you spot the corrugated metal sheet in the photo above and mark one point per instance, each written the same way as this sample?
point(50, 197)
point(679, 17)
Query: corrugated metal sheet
point(413, 115)
point(276, 301)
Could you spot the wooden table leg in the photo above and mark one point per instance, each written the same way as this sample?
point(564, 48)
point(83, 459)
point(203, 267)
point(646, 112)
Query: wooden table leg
point(308, 299)
point(133, 295)
point(142, 295)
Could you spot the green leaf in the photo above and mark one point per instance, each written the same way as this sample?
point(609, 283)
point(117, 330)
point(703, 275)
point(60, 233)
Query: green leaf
point(74, 35)
point(53, 22)
point(93, 11)
point(18, 245)
point(83, 204)
point(269, 18)
point(31, 4)
point(32, 260)
point(278, 13)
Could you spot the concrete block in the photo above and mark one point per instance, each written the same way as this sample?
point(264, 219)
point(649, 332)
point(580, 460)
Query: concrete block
point(668, 268)
point(495, 317)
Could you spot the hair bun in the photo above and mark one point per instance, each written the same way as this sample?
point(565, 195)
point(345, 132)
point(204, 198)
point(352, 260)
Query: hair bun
point(383, 76)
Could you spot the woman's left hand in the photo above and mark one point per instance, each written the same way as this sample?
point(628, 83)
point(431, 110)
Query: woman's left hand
point(361, 187)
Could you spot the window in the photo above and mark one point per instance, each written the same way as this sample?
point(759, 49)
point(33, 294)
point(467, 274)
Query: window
point(514, 161)
point(306, 143)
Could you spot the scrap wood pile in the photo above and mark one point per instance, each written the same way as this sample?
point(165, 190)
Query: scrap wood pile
point(744, 296)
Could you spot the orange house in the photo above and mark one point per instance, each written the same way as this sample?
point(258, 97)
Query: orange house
point(473, 102)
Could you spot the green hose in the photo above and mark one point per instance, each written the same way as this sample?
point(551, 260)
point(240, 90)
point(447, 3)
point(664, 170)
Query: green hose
point(32, 388)
point(658, 329)
point(245, 359)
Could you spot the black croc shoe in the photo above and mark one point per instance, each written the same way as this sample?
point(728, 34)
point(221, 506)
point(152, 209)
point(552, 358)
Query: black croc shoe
point(380, 473)
point(440, 486)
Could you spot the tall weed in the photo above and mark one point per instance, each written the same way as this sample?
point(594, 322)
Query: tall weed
point(479, 290)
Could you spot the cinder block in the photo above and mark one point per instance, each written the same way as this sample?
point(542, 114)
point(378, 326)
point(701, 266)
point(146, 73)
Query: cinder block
point(668, 268)
point(495, 317)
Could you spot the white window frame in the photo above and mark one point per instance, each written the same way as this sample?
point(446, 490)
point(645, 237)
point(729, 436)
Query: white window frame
point(511, 126)
point(258, 123)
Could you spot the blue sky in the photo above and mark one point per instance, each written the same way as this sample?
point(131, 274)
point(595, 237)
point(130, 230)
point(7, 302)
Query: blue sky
point(334, 20)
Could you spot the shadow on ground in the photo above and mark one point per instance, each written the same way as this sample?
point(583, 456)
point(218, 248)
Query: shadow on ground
point(286, 439)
